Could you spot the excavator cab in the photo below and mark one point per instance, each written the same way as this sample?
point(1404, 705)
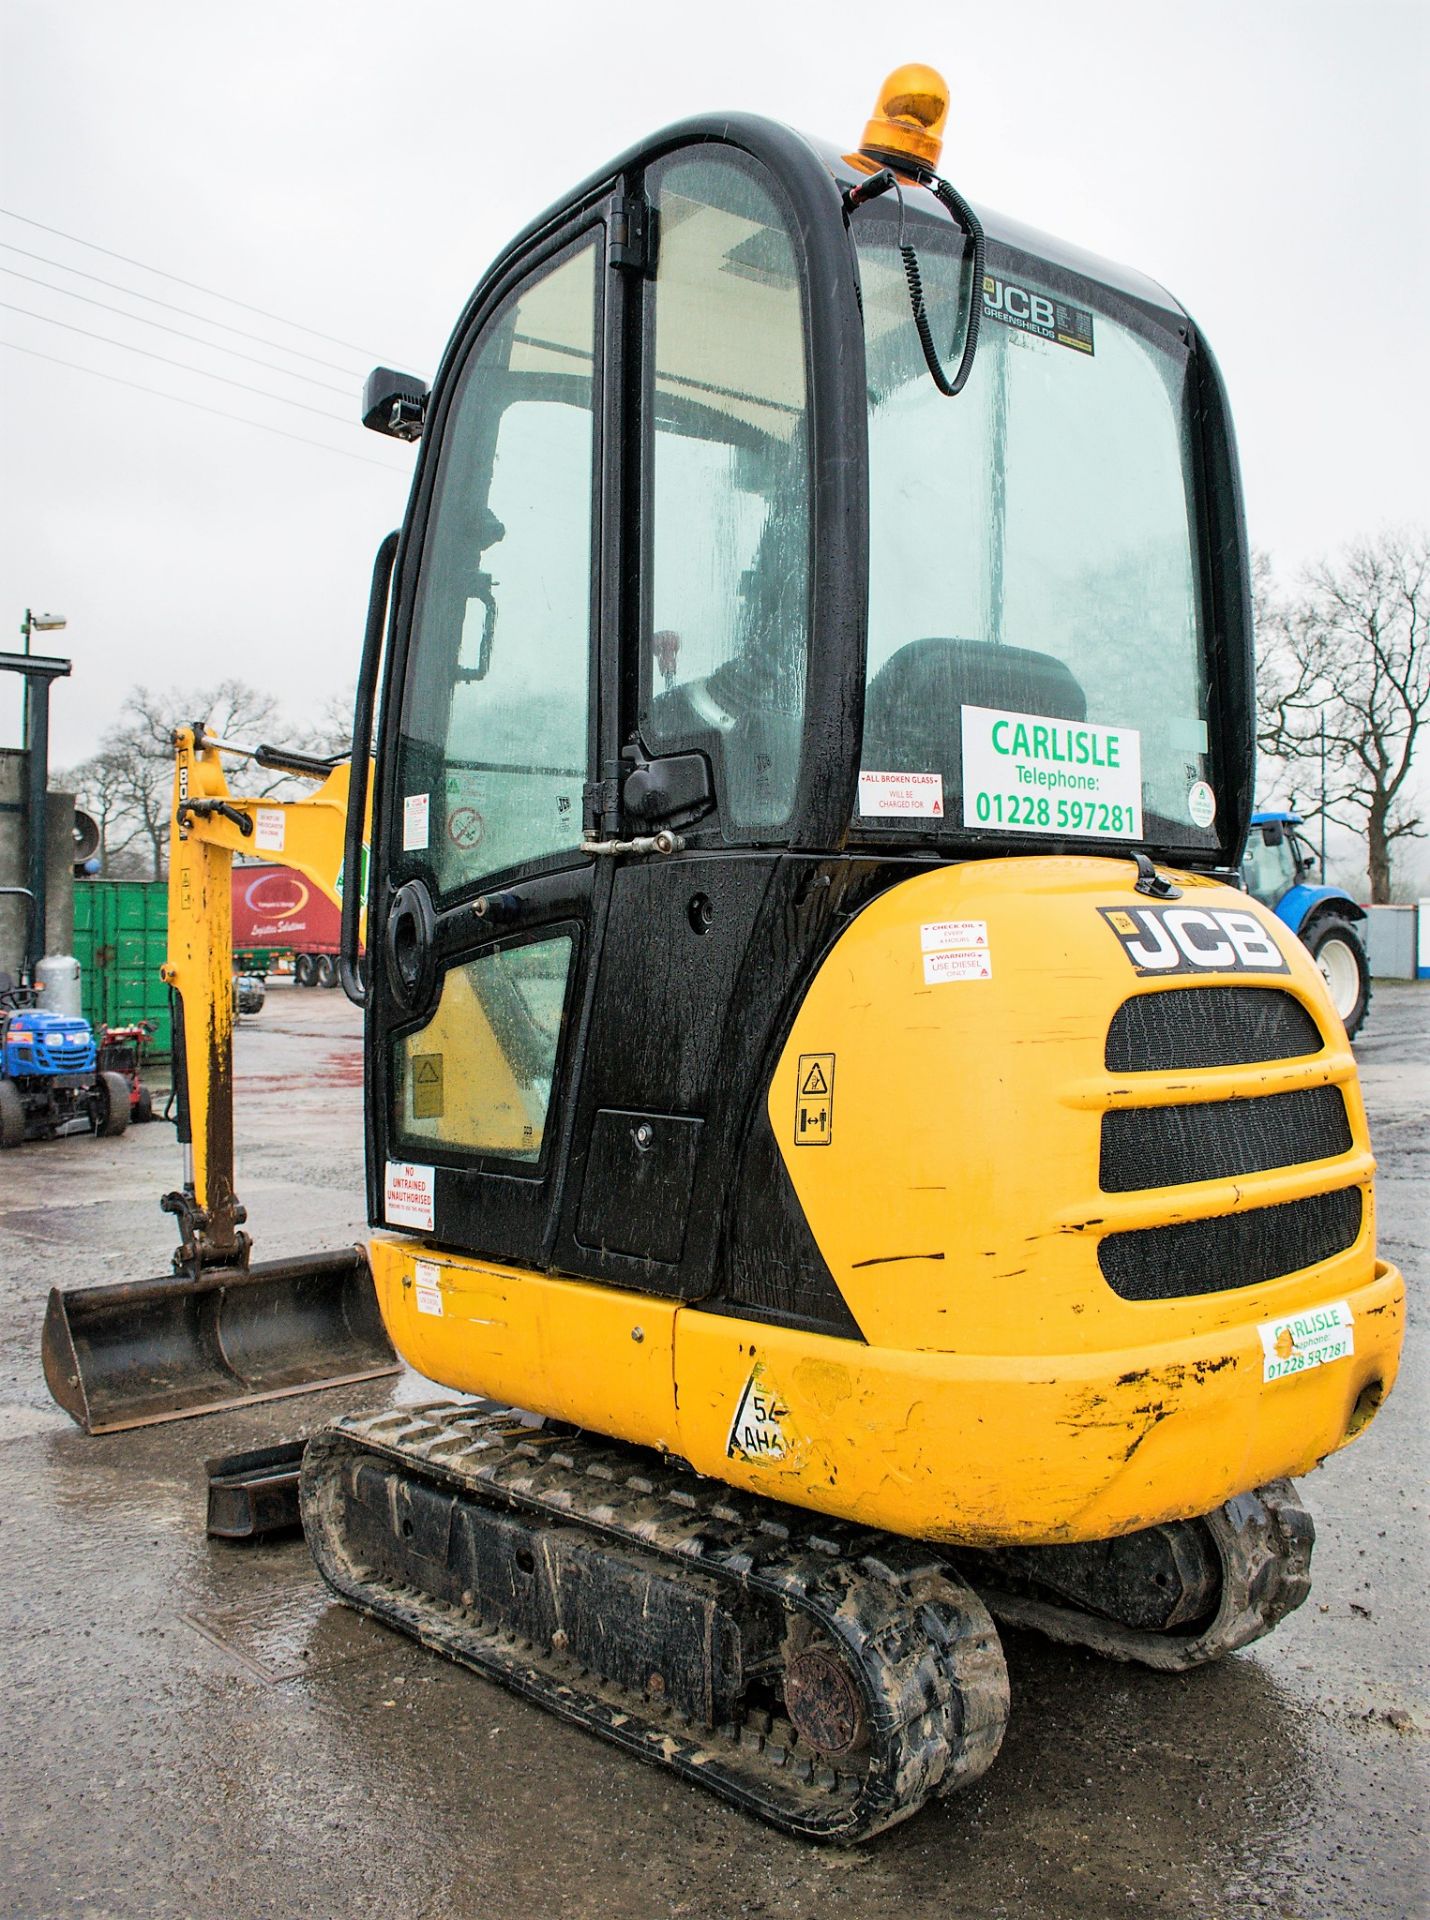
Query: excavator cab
point(811, 1039)
point(698, 547)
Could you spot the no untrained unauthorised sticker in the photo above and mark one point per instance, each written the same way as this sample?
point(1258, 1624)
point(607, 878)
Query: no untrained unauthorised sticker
point(409, 1193)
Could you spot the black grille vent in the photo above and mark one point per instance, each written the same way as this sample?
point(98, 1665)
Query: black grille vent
point(1233, 1250)
point(1166, 1146)
point(1208, 1027)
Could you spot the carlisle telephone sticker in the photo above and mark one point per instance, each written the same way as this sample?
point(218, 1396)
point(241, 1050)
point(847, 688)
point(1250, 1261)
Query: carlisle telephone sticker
point(1299, 1341)
point(416, 822)
point(1025, 771)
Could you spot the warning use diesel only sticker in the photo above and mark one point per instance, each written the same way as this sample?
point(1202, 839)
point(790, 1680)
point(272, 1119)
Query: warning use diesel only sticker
point(428, 1277)
point(955, 950)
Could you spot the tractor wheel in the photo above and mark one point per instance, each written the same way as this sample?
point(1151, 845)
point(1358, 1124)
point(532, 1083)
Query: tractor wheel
point(112, 1105)
point(12, 1115)
point(327, 970)
point(303, 970)
point(1341, 958)
point(143, 1106)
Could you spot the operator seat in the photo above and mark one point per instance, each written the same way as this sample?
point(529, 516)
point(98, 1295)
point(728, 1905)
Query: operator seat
point(912, 721)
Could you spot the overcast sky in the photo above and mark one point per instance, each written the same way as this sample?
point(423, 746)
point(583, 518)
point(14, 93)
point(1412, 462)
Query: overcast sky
point(352, 167)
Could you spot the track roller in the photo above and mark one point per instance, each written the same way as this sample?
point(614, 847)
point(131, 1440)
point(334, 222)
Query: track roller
point(1174, 1596)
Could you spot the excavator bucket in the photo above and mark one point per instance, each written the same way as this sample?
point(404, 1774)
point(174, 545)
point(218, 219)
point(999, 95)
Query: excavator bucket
point(145, 1351)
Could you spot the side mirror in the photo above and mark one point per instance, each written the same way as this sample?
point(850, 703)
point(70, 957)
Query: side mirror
point(1273, 833)
point(395, 404)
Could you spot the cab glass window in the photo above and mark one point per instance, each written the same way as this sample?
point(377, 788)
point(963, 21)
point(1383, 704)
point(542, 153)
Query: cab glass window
point(726, 607)
point(496, 715)
point(478, 1075)
point(1036, 656)
point(1269, 864)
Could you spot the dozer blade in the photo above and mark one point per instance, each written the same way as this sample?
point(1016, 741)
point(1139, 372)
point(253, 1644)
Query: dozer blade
point(149, 1350)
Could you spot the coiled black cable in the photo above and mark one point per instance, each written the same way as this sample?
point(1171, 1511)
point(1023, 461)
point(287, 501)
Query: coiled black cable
point(968, 220)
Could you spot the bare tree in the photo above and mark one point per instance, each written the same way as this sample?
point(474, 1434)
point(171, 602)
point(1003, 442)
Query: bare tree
point(1350, 653)
point(101, 787)
point(128, 783)
point(330, 730)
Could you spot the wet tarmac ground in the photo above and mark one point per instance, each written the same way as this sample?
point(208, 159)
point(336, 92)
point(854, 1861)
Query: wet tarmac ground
point(189, 1728)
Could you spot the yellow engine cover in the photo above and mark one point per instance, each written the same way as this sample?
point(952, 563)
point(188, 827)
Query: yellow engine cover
point(1032, 1371)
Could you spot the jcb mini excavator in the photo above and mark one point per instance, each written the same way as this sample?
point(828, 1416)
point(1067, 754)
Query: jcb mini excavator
point(820, 1066)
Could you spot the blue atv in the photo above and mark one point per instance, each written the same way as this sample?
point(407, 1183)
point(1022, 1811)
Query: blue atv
point(1276, 867)
point(49, 1074)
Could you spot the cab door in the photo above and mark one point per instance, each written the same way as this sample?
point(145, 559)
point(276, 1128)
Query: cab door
point(488, 912)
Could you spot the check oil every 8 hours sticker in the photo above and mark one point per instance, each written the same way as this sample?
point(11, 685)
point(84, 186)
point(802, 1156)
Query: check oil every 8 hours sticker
point(1027, 771)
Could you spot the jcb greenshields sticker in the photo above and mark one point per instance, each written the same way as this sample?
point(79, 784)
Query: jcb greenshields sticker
point(1033, 312)
point(1195, 940)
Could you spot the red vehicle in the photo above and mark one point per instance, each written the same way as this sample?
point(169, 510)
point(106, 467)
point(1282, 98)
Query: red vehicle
point(121, 1051)
point(277, 914)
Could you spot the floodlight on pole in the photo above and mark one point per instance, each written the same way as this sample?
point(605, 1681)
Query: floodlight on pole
point(40, 623)
point(34, 623)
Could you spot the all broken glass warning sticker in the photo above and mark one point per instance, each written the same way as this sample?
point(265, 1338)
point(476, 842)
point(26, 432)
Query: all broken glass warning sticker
point(893, 796)
point(1039, 313)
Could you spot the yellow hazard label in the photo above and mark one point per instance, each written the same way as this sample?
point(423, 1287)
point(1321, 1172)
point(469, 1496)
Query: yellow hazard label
point(814, 1100)
point(427, 1096)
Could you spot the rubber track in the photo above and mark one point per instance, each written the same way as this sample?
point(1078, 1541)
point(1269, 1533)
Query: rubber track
point(920, 1644)
point(1264, 1541)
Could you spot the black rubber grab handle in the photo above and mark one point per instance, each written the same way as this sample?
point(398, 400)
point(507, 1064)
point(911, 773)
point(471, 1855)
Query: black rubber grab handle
point(349, 968)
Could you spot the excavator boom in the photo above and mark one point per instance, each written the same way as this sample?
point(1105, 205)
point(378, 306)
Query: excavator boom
point(220, 1329)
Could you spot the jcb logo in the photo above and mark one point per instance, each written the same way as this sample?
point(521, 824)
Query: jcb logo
point(999, 296)
point(1195, 940)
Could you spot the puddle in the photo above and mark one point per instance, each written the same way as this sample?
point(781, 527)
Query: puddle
point(286, 1635)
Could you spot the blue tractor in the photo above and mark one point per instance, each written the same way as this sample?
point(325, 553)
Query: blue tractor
point(1278, 865)
point(49, 1073)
